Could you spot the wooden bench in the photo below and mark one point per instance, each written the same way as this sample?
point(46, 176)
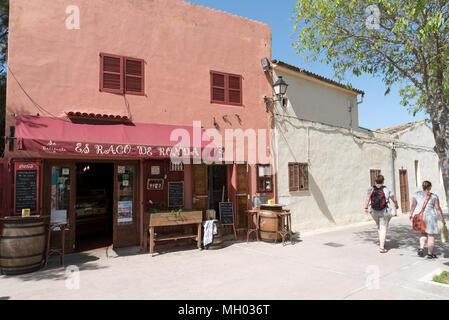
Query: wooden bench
point(167, 219)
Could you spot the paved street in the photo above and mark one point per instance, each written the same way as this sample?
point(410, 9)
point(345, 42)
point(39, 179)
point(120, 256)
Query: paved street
point(341, 264)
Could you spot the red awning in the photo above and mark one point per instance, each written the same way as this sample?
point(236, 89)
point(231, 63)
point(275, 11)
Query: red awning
point(61, 136)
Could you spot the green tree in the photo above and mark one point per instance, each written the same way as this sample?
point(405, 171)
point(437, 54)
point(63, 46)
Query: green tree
point(4, 24)
point(405, 42)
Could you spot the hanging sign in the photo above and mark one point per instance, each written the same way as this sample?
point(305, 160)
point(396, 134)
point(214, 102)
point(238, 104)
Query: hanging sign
point(26, 191)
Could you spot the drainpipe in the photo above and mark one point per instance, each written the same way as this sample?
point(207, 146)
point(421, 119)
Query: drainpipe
point(393, 185)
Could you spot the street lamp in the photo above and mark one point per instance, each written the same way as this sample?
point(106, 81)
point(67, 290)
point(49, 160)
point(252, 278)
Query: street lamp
point(279, 90)
point(280, 87)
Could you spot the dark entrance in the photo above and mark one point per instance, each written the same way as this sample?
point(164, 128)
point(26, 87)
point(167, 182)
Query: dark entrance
point(94, 205)
point(218, 186)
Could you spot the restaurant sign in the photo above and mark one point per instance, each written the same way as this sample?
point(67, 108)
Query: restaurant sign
point(115, 150)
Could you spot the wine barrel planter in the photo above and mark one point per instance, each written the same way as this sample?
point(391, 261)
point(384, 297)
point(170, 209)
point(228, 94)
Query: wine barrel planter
point(269, 223)
point(22, 245)
point(217, 243)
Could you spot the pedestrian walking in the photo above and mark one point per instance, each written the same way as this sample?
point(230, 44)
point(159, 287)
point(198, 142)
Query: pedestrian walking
point(428, 205)
point(378, 198)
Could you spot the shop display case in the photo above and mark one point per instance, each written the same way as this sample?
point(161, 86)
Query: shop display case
point(93, 212)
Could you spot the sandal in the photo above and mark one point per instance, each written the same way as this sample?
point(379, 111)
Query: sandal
point(431, 256)
point(383, 250)
point(421, 252)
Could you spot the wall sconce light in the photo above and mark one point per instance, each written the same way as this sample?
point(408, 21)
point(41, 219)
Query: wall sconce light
point(215, 123)
point(279, 90)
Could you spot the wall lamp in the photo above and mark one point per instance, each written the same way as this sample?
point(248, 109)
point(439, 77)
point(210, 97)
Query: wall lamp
point(279, 90)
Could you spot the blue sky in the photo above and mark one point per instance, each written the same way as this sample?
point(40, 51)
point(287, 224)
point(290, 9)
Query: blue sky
point(375, 112)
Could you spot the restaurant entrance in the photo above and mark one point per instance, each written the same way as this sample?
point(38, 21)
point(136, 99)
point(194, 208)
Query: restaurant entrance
point(94, 205)
point(97, 198)
point(218, 186)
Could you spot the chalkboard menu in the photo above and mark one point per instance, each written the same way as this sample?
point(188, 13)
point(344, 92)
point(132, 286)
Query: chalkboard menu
point(226, 213)
point(176, 194)
point(26, 187)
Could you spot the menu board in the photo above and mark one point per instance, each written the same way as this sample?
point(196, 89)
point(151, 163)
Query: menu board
point(176, 194)
point(26, 186)
point(226, 213)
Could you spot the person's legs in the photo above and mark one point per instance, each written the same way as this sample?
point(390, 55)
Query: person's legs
point(422, 240)
point(382, 236)
point(430, 244)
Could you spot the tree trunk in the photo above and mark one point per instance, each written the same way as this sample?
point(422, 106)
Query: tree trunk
point(438, 110)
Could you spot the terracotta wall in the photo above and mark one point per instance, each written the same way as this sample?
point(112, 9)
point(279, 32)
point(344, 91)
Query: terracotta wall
point(58, 69)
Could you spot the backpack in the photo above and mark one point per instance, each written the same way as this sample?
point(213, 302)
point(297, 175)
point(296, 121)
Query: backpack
point(378, 200)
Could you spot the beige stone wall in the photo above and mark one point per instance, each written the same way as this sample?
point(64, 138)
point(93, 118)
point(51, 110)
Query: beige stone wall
point(314, 100)
point(339, 168)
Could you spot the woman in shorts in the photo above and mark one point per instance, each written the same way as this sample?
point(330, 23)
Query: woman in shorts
point(381, 217)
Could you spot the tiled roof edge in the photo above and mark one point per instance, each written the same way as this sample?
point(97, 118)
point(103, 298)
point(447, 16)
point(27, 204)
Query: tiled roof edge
point(317, 76)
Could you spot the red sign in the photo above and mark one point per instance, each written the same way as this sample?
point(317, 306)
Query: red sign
point(113, 150)
point(26, 187)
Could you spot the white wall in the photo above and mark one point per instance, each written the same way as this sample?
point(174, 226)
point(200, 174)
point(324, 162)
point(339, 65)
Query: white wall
point(339, 172)
point(420, 143)
point(340, 159)
point(316, 100)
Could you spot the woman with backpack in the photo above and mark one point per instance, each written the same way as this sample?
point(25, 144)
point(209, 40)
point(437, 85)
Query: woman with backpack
point(429, 204)
point(379, 198)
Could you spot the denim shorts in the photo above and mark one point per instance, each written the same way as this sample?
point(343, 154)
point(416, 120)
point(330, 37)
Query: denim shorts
point(382, 217)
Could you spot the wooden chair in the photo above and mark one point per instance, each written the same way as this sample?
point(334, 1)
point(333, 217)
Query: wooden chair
point(253, 223)
point(286, 226)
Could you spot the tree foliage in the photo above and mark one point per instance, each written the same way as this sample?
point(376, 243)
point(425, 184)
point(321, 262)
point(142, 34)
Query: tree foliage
point(409, 47)
point(405, 42)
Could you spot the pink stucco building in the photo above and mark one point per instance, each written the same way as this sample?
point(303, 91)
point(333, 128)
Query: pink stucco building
point(119, 76)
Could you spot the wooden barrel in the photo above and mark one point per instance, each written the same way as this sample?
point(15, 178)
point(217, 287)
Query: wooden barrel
point(269, 224)
point(22, 245)
point(217, 243)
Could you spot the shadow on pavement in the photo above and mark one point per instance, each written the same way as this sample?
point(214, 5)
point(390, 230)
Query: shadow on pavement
point(54, 271)
point(402, 237)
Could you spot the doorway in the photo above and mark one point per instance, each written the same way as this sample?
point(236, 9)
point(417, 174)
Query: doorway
point(94, 205)
point(403, 185)
point(218, 186)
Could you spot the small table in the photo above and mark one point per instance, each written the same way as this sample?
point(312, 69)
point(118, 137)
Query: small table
point(49, 251)
point(286, 225)
point(253, 226)
point(167, 219)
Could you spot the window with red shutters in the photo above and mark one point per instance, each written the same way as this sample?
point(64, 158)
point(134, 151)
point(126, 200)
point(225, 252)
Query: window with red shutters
point(235, 90)
point(226, 88)
point(134, 76)
point(122, 75)
point(111, 73)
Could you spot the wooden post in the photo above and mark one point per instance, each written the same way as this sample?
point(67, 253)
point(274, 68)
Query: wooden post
point(199, 236)
point(151, 239)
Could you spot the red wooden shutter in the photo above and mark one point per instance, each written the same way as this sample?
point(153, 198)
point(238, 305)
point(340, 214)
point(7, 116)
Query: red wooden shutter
point(234, 90)
point(111, 73)
point(218, 87)
point(134, 76)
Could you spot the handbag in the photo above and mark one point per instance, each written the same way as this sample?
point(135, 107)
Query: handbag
point(443, 231)
point(418, 221)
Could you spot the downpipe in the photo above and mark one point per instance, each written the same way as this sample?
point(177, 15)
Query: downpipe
point(393, 177)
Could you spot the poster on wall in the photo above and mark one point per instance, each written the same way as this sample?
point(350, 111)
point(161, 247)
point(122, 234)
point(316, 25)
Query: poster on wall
point(26, 191)
point(125, 212)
